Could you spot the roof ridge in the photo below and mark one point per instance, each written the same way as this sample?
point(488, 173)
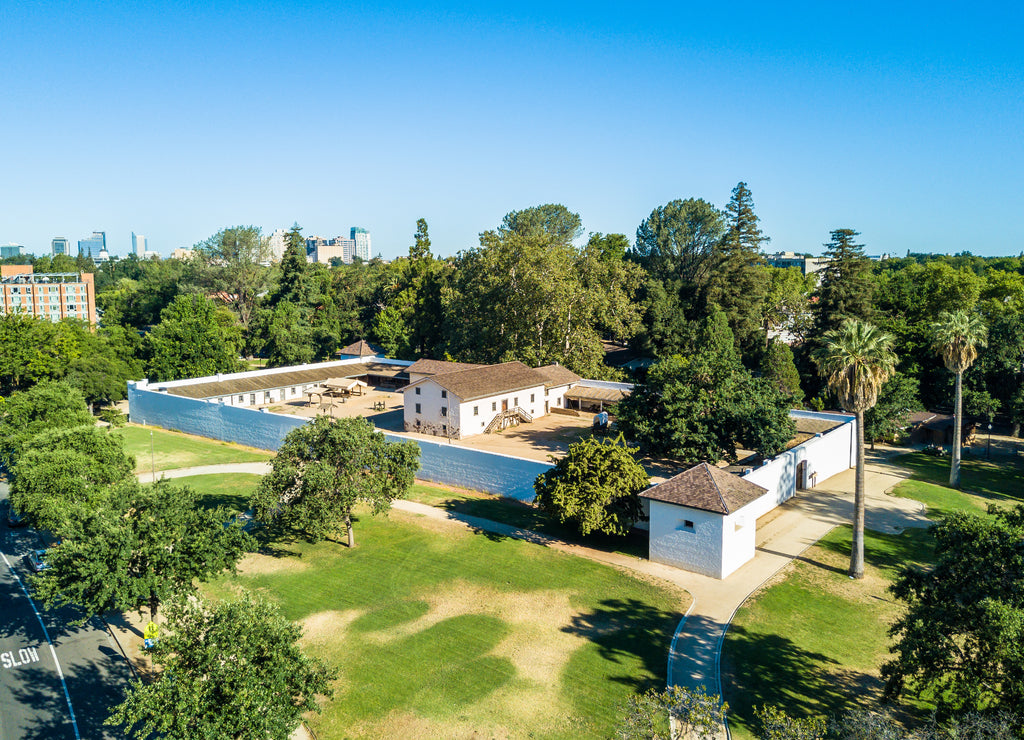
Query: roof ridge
point(718, 490)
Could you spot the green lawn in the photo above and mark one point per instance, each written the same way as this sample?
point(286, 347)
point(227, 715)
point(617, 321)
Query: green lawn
point(223, 489)
point(813, 641)
point(441, 632)
point(998, 479)
point(171, 450)
point(525, 516)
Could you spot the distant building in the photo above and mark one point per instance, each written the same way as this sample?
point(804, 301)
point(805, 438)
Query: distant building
point(139, 245)
point(60, 245)
point(182, 254)
point(92, 246)
point(807, 265)
point(278, 242)
point(323, 250)
point(11, 250)
point(53, 296)
point(361, 237)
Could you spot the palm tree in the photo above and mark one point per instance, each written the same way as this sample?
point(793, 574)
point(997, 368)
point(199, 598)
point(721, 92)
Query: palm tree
point(956, 336)
point(855, 360)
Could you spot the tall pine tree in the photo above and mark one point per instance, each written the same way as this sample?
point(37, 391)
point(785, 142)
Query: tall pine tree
point(739, 283)
point(845, 286)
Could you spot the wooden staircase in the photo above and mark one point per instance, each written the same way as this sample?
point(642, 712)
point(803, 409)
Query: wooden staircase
point(505, 419)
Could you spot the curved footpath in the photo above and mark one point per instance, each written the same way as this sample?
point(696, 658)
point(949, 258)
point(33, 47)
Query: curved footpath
point(782, 535)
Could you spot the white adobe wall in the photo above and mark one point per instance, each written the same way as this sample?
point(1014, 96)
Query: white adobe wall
point(698, 549)
point(428, 395)
point(555, 396)
point(738, 535)
point(530, 400)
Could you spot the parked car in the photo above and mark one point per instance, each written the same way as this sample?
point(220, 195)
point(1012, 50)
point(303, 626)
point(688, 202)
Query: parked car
point(37, 561)
point(13, 518)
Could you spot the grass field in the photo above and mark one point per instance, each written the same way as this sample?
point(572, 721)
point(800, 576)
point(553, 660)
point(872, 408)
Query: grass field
point(441, 632)
point(223, 489)
point(176, 450)
point(525, 516)
point(814, 640)
point(998, 479)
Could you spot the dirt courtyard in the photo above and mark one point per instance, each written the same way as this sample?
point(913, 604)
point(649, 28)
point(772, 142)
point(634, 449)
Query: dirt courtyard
point(548, 435)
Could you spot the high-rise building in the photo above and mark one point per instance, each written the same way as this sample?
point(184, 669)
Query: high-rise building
point(139, 245)
point(60, 245)
point(278, 242)
point(53, 296)
point(323, 250)
point(11, 250)
point(362, 239)
point(92, 246)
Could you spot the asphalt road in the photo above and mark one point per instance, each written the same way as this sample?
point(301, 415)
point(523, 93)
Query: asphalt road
point(57, 680)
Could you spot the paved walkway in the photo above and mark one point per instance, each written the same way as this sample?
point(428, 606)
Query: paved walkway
point(782, 536)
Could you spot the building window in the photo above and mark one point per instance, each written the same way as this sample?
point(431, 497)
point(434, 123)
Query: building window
point(444, 411)
point(252, 399)
point(515, 401)
point(532, 398)
point(241, 399)
point(687, 525)
point(494, 405)
point(546, 391)
point(476, 411)
point(417, 390)
point(417, 408)
point(444, 394)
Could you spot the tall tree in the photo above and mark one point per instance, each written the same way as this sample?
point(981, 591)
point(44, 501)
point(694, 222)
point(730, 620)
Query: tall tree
point(324, 468)
point(194, 338)
point(141, 546)
point(777, 366)
point(956, 336)
point(855, 360)
point(231, 669)
point(595, 486)
point(66, 473)
point(703, 405)
point(739, 283)
point(845, 287)
point(679, 241)
point(421, 247)
point(960, 637)
point(47, 406)
point(235, 261)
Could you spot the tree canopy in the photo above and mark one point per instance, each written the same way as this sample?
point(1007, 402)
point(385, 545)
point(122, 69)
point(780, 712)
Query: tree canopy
point(326, 467)
point(231, 669)
point(139, 547)
point(960, 638)
point(48, 406)
point(194, 338)
point(594, 487)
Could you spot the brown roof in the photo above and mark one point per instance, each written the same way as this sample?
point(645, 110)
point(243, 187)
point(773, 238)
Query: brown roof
point(707, 488)
point(436, 367)
point(362, 348)
point(557, 375)
point(586, 393)
point(284, 378)
point(805, 425)
point(486, 380)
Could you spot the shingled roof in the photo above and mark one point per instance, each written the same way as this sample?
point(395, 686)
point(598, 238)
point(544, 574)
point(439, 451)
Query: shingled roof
point(437, 367)
point(362, 348)
point(707, 488)
point(486, 380)
point(557, 375)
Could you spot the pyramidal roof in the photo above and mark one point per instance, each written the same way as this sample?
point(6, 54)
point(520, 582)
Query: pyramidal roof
point(362, 348)
point(707, 488)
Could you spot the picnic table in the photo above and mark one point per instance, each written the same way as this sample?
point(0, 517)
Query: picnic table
point(380, 406)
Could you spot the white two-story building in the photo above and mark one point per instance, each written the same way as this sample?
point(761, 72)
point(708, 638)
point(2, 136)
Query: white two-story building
point(455, 400)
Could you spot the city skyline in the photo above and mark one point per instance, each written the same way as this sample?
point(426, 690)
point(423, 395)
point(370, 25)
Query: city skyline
point(906, 131)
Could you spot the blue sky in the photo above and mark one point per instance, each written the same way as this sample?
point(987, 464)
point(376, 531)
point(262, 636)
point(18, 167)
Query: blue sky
point(903, 121)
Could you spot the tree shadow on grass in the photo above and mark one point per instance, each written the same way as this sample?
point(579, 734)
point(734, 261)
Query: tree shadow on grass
point(628, 629)
point(890, 553)
point(759, 669)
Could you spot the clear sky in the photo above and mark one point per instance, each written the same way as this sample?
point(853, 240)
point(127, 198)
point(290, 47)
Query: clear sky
point(904, 121)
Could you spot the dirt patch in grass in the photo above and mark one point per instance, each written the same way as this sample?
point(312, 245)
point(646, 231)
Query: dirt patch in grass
point(255, 564)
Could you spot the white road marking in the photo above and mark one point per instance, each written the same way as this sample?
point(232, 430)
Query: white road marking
point(46, 633)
